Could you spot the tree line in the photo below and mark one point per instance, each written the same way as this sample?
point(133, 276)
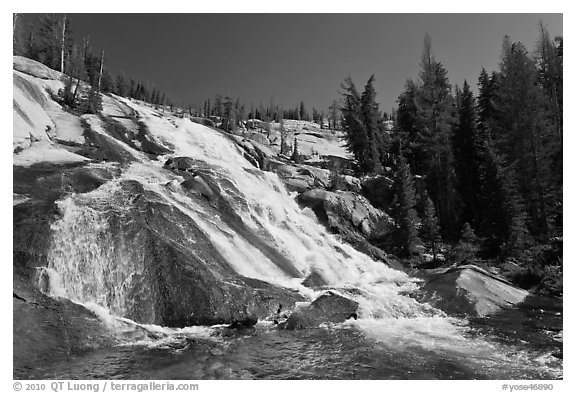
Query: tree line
point(235, 112)
point(48, 39)
point(483, 170)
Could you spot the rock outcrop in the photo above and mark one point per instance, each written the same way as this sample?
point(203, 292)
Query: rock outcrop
point(345, 213)
point(470, 290)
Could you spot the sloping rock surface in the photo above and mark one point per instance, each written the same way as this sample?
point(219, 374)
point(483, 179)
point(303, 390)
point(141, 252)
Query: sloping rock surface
point(471, 290)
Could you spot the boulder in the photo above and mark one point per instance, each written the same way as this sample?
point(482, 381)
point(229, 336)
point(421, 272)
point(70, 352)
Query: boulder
point(185, 164)
point(470, 290)
point(329, 307)
point(297, 184)
point(314, 280)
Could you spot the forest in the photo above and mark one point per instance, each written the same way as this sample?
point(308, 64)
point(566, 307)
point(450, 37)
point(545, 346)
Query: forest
point(477, 178)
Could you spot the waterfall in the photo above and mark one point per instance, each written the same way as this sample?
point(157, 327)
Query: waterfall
point(91, 260)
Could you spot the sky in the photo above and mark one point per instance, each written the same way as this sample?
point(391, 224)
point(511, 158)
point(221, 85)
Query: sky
point(290, 58)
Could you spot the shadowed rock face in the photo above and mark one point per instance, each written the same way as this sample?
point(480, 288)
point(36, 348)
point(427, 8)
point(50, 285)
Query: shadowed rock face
point(471, 290)
point(352, 217)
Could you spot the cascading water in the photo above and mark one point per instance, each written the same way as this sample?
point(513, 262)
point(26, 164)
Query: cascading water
point(92, 263)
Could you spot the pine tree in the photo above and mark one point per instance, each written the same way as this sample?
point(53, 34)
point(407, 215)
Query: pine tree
point(355, 133)
point(333, 122)
point(48, 45)
point(504, 219)
point(296, 157)
point(284, 149)
point(302, 112)
point(466, 249)
point(94, 102)
point(486, 110)
point(522, 132)
point(228, 115)
point(405, 123)
point(435, 121)
point(430, 229)
point(467, 156)
point(402, 210)
point(550, 75)
point(370, 116)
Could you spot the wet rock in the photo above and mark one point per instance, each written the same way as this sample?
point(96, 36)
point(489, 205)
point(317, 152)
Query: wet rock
point(329, 307)
point(352, 217)
point(49, 330)
point(185, 164)
point(314, 280)
point(470, 290)
point(198, 184)
point(243, 323)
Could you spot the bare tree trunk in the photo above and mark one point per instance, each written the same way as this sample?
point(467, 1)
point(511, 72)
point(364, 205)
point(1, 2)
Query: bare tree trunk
point(63, 42)
point(76, 91)
point(14, 21)
point(101, 67)
point(86, 46)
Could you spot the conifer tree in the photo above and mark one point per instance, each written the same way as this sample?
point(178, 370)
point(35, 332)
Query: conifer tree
point(435, 121)
point(333, 121)
point(406, 127)
point(355, 133)
point(430, 229)
point(284, 149)
point(403, 210)
point(94, 102)
point(228, 115)
point(48, 46)
point(504, 219)
point(466, 248)
point(370, 116)
point(467, 156)
point(522, 132)
point(296, 157)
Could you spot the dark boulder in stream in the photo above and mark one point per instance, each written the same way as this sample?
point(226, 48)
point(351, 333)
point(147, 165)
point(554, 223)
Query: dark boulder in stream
point(329, 307)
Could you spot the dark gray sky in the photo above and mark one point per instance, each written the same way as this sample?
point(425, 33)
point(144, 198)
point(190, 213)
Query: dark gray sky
point(293, 57)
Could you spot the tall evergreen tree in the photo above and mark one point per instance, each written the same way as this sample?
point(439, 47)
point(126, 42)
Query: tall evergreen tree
point(430, 229)
point(403, 210)
point(435, 121)
point(355, 133)
point(522, 130)
point(504, 218)
point(333, 122)
point(406, 126)
point(370, 116)
point(48, 45)
point(467, 158)
point(228, 115)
